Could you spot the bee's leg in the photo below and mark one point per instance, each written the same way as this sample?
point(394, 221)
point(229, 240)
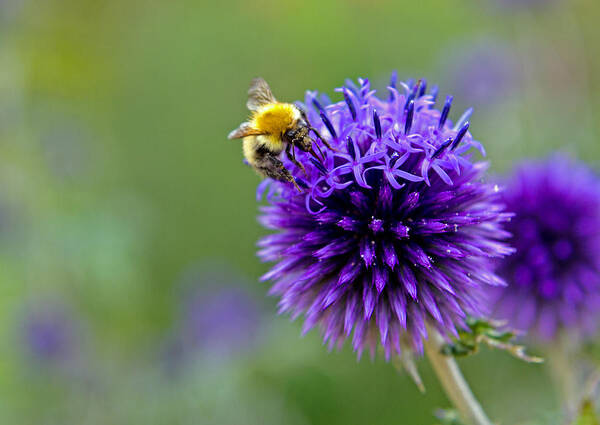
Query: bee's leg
point(320, 152)
point(310, 127)
point(296, 185)
point(270, 166)
point(325, 142)
point(290, 151)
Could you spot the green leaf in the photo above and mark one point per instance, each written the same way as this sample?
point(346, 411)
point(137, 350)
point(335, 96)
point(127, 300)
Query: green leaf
point(491, 333)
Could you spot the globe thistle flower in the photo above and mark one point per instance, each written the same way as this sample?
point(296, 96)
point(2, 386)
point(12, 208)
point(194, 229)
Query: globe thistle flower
point(394, 228)
point(555, 275)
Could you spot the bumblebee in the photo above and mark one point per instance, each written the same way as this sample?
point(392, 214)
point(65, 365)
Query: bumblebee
point(272, 128)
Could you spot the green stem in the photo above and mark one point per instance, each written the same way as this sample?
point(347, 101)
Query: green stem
point(563, 373)
point(453, 382)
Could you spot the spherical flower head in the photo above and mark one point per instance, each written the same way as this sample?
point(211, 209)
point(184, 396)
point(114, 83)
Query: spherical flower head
point(554, 278)
point(394, 229)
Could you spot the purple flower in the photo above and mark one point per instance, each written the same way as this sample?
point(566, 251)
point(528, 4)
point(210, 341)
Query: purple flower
point(218, 317)
point(395, 228)
point(49, 334)
point(224, 321)
point(555, 275)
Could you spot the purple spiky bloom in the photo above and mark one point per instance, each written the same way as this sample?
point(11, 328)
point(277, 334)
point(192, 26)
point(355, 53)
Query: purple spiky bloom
point(394, 229)
point(554, 278)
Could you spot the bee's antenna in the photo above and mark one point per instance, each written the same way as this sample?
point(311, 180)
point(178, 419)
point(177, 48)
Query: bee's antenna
point(296, 186)
point(299, 182)
point(314, 130)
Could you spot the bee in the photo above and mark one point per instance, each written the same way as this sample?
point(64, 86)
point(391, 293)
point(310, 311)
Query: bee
point(272, 128)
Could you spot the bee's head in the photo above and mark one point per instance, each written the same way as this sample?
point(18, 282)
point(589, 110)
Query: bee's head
point(298, 136)
point(305, 144)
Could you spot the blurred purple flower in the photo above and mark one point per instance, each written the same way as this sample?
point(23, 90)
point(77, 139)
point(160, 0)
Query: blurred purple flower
point(394, 229)
point(483, 73)
point(223, 321)
point(555, 275)
point(218, 318)
point(49, 334)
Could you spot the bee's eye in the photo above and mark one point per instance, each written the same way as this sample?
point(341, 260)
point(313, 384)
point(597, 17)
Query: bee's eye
point(290, 134)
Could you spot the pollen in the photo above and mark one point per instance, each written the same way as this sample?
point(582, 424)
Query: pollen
point(275, 118)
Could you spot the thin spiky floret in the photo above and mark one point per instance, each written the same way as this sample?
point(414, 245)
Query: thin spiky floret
point(395, 228)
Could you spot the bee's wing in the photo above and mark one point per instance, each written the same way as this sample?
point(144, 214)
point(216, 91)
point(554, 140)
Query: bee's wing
point(259, 94)
point(244, 130)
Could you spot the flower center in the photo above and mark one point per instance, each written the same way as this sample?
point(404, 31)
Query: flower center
point(376, 225)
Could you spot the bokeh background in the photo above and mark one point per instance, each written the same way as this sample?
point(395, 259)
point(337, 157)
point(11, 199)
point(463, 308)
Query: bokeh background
point(129, 288)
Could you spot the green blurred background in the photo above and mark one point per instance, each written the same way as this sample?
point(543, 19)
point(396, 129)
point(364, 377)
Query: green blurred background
point(124, 210)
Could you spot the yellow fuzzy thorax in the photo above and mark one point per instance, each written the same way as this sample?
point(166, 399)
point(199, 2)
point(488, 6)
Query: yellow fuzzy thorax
point(275, 118)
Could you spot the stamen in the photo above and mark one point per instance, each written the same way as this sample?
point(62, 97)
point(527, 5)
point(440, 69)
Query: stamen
point(350, 147)
point(301, 183)
point(410, 110)
point(413, 93)
point(442, 148)
point(377, 124)
point(317, 104)
point(409, 99)
point(349, 84)
point(319, 166)
point(313, 153)
point(392, 96)
point(445, 112)
point(434, 93)
point(416, 88)
point(423, 88)
point(328, 125)
point(461, 133)
point(350, 104)
point(394, 79)
point(320, 151)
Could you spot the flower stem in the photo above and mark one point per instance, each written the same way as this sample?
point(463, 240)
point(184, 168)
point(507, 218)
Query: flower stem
point(453, 382)
point(563, 373)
